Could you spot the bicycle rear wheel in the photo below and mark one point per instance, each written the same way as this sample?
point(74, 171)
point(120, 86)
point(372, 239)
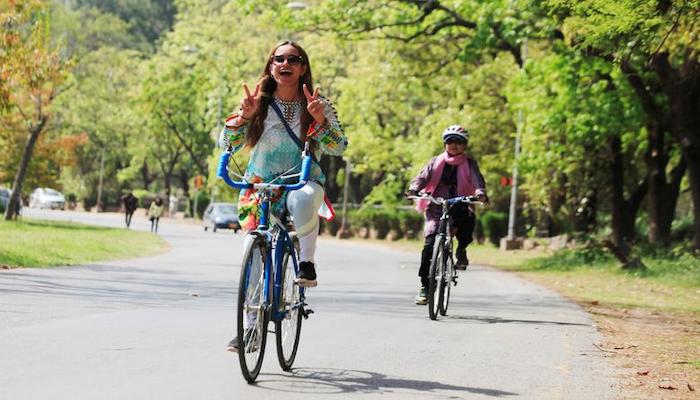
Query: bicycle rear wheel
point(253, 314)
point(435, 287)
point(447, 281)
point(288, 328)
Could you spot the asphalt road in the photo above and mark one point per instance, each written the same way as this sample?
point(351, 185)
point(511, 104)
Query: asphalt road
point(156, 328)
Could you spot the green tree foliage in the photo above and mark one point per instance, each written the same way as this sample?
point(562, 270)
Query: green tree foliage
point(147, 20)
point(32, 73)
point(573, 106)
point(608, 91)
point(99, 104)
point(656, 45)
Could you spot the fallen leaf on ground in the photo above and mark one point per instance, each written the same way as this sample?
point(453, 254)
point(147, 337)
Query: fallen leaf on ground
point(625, 347)
point(595, 302)
point(668, 387)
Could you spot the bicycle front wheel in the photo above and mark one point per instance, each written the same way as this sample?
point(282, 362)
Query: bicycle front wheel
point(253, 314)
point(435, 287)
point(288, 328)
point(448, 269)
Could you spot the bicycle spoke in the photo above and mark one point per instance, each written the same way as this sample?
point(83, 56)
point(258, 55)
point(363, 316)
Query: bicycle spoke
point(289, 326)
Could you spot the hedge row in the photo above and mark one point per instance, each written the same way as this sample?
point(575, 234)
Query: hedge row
point(392, 223)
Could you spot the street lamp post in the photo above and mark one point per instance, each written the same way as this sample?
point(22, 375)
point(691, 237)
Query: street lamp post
point(99, 207)
point(344, 232)
point(510, 242)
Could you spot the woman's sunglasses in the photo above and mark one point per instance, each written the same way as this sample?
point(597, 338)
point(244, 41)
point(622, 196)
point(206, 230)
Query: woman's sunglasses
point(291, 59)
point(455, 141)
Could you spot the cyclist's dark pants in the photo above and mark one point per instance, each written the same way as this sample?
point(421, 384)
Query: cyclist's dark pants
point(463, 220)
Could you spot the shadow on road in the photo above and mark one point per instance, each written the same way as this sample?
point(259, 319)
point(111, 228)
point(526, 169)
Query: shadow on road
point(497, 320)
point(127, 285)
point(338, 381)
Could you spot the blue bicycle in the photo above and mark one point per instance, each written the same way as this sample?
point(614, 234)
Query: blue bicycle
point(266, 289)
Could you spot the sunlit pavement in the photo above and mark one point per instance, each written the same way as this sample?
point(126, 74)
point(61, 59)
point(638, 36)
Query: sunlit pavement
point(156, 328)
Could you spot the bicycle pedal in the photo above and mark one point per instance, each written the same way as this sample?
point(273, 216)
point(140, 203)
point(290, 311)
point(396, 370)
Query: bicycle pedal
point(306, 312)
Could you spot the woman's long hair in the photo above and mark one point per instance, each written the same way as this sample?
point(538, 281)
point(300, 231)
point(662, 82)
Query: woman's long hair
point(268, 86)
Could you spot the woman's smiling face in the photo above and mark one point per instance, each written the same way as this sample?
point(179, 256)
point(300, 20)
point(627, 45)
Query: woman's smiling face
point(287, 65)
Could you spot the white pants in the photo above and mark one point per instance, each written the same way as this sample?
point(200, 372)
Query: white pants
point(303, 206)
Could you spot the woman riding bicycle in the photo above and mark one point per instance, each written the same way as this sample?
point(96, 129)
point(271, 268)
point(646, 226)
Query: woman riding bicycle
point(283, 112)
point(273, 122)
point(450, 174)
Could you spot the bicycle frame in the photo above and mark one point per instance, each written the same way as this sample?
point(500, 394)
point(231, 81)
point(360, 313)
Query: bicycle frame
point(277, 237)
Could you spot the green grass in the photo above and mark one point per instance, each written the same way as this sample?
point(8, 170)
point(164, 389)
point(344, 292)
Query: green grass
point(38, 243)
point(671, 282)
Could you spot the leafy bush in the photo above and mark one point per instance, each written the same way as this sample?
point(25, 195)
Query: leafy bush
point(382, 220)
point(682, 229)
point(144, 196)
point(89, 202)
point(410, 222)
point(495, 225)
point(479, 231)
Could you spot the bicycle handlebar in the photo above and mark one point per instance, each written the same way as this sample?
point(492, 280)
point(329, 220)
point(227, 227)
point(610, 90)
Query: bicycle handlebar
point(222, 172)
point(452, 201)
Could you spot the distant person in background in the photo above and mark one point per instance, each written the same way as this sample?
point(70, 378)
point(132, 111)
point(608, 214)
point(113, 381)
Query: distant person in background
point(172, 205)
point(155, 211)
point(130, 203)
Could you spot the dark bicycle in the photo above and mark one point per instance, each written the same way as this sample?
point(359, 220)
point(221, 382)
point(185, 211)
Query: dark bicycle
point(442, 275)
point(266, 289)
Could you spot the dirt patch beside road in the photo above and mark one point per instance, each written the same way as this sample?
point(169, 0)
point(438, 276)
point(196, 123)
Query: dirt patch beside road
point(657, 355)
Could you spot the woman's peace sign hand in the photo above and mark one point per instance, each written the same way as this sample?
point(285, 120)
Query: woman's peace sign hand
point(250, 102)
point(314, 105)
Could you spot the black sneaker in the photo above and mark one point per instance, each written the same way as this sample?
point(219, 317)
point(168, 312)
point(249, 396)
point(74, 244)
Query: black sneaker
point(462, 260)
point(307, 274)
point(422, 296)
point(233, 345)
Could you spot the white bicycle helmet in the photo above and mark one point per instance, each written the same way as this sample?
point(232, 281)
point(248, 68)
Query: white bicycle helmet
point(455, 132)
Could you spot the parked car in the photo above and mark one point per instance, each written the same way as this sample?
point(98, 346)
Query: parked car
point(5, 200)
point(221, 216)
point(47, 198)
point(4, 197)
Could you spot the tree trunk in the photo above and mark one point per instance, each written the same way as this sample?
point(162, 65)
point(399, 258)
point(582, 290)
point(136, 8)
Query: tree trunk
point(624, 212)
point(618, 196)
point(671, 193)
point(656, 169)
point(694, 175)
point(184, 182)
point(681, 85)
point(331, 166)
point(145, 175)
point(34, 132)
point(355, 188)
point(663, 192)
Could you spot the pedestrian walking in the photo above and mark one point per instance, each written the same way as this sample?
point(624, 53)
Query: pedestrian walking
point(130, 203)
point(155, 211)
point(172, 206)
